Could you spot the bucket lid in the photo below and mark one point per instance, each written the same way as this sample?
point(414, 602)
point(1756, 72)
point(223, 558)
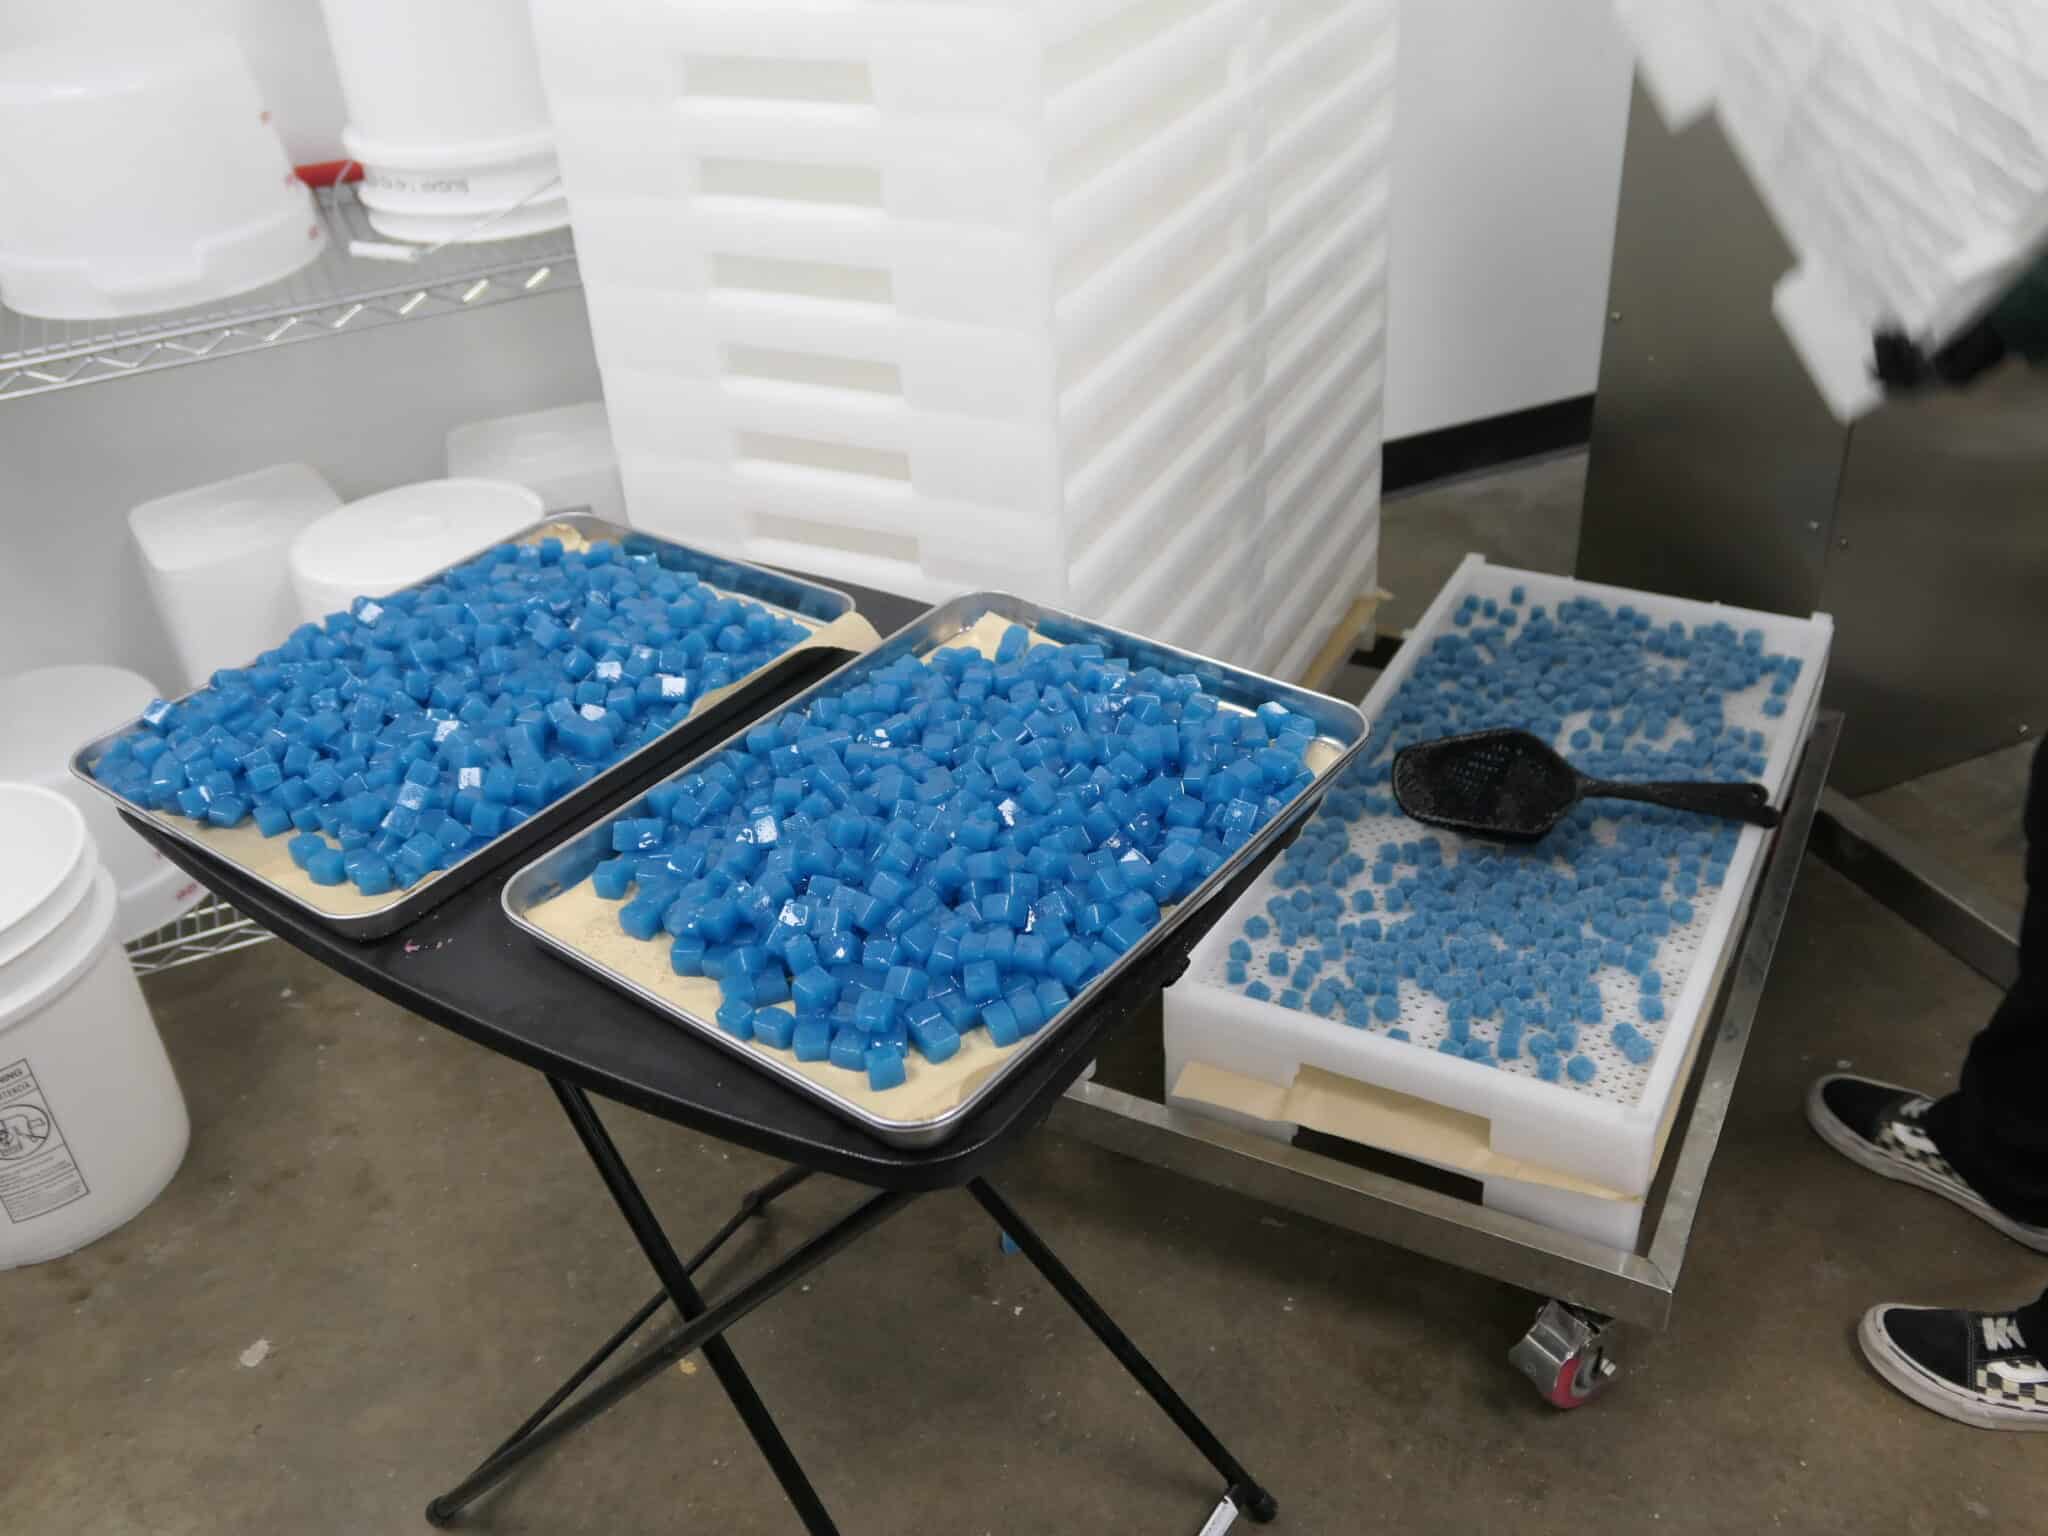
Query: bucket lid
point(536, 144)
point(53, 711)
point(466, 223)
point(386, 541)
point(47, 845)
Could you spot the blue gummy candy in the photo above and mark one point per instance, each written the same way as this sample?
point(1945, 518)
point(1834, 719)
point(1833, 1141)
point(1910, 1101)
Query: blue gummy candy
point(980, 981)
point(935, 1038)
point(372, 875)
point(885, 1067)
point(811, 1040)
point(1581, 1069)
point(774, 1026)
point(736, 1018)
point(612, 878)
point(1002, 1025)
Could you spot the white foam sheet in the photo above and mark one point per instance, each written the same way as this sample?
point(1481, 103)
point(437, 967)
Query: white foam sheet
point(1900, 145)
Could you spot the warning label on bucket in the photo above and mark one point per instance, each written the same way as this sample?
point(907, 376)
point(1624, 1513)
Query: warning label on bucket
point(37, 1172)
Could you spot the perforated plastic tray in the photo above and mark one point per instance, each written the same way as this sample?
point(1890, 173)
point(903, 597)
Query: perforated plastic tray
point(1606, 1131)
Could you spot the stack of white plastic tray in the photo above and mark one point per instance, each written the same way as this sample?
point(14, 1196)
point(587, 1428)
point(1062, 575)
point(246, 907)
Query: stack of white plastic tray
point(1576, 1156)
point(1083, 300)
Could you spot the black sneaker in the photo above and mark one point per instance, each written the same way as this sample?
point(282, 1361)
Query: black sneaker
point(1972, 1367)
point(1878, 1125)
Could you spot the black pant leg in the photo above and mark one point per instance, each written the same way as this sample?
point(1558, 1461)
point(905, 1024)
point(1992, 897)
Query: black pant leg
point(2033, 1321)
point(1994, 1128)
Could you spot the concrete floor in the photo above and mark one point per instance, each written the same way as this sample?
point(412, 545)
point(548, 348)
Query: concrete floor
point(1525, 516)
point(1972, 813)
point(408, 1222)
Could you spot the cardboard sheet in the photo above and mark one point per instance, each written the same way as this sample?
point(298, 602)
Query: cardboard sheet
point(1400, 1123)
point(589, 923)
point(1375, 1117)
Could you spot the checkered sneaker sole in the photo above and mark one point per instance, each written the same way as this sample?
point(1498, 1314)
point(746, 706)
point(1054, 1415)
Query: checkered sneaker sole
point(2020, 1383)
point(2009, 1391)
point(1902, 1150)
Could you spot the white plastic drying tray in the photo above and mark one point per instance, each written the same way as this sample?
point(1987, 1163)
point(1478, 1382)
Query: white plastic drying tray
point(1083, 299)
point(1608, 1132)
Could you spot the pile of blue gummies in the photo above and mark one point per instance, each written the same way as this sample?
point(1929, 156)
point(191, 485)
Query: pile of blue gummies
point(399, 736)
point(1516, 944)
point(949, 843)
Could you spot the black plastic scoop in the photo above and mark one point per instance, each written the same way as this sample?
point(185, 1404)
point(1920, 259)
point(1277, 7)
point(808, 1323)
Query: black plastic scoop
point(1509, 786)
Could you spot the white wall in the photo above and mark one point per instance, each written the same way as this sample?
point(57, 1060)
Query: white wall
point(368, 409)
point(1509, 124)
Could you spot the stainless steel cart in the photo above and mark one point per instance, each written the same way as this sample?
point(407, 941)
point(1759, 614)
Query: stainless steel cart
point(1588, 1287)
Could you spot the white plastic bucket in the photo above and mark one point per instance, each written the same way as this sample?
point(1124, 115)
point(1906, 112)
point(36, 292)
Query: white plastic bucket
point(285, 42)
point(447, 117)
point(92, 1125)
point(53, 855)
point(141, 173)
point(216, 560)
point(387, 541)
point(564, 455)
point(50, 713)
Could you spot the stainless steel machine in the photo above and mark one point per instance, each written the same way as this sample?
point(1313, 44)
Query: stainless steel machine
point(1716, 472)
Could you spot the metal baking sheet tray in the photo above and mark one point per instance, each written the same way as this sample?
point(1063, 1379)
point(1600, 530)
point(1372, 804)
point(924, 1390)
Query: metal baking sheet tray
point(815, 607)
point(641, 969)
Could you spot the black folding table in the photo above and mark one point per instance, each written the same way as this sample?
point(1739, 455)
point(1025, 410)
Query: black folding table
point(465, 967)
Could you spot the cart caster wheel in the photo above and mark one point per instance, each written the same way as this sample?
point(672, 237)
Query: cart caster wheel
point(1566, 1354)
point(1254, 1503)
point(1579, 1381)
point(441, 1515)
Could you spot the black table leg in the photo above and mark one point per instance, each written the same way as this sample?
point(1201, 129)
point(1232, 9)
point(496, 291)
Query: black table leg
point(702, 1329)
point(755, 1202)
point(676, 1281)
point(1244, 1492)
